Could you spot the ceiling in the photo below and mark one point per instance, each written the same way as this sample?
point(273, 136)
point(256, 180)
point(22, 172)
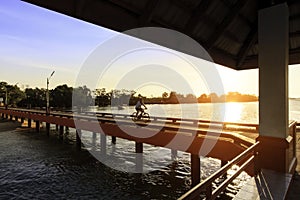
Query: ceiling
point(227, 29)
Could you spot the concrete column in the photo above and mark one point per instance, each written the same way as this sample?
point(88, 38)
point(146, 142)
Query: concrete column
point(223, 163)
point(103, 143)
point(48, 129)
point(139, 157)
point(61, 132)
point(78, 138)
point(29, 123)
point(37, 126)
point(174, 154)
point(273, 40)
point(94, 138)
point(113, 139)
point(195, 169)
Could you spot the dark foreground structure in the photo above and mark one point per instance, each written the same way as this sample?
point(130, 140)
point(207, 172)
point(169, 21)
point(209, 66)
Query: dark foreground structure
point(240, 34)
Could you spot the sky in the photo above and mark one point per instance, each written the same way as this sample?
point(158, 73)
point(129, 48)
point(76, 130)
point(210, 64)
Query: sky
point(35, 41)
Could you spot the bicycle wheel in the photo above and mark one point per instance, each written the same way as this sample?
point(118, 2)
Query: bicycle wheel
point(146, 117)
point(133, 116)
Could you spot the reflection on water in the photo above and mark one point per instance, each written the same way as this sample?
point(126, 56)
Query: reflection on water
point(33, 166)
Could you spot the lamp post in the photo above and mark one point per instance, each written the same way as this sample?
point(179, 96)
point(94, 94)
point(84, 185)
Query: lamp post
point(47, 94)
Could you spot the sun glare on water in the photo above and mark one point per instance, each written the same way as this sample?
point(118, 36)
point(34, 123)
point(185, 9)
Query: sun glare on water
point(233, 112)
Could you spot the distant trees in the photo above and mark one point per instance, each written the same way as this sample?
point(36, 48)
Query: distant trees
point(230, 97)
point(64, 97)
point(61, 96)
point(12, 92)
point(82, 97)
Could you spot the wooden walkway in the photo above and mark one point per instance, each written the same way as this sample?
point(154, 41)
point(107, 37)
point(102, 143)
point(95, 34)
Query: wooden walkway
point(271, 185)
point(221, 140)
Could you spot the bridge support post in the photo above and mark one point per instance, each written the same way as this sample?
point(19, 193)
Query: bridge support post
point(22, 120)
point(61, 132)
point(78, 138)
point(276, 146)
point(56, 127)
point(10, 117)
point(94, 139)
point(195, 169)
point(223, 163)
point(37, 126)
point(47, 129)
point(113, 139)
point(16, 119)
point(29, 123)
point(139, 157)
point(174, 154)
point(103, 143)
point(2, 115)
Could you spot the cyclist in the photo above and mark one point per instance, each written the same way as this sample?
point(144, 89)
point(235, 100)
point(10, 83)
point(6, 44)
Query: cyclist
point(138, 106)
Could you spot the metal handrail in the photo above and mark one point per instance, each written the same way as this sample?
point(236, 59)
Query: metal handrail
point(206, 185)
point(171, 120)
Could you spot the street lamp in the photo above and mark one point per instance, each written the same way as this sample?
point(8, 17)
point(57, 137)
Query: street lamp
point(47, 94)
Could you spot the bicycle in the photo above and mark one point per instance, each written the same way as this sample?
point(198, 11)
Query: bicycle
point(143, 116)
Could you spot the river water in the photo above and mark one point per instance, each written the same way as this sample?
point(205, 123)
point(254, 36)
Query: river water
point(33, 166)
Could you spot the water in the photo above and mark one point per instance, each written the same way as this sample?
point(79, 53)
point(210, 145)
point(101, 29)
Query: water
point(33, 166)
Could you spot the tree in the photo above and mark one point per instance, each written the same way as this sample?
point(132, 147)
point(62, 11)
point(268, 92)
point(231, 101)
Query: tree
point(102, 98)
point(82, 97)
point(164, 95)
point(61, 96)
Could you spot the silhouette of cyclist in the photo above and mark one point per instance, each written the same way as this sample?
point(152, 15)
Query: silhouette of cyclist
point(138, 106)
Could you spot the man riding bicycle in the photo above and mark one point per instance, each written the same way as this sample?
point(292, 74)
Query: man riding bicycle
point(138, 106)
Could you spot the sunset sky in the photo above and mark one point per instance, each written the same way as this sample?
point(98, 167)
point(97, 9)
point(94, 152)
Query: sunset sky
point(35, 41)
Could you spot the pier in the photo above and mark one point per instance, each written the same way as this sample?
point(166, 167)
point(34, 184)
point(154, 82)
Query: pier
point(238, 34)
point(235, 143)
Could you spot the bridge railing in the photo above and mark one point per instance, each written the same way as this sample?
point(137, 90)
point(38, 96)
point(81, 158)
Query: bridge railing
point(111, 117)
point(244, 160)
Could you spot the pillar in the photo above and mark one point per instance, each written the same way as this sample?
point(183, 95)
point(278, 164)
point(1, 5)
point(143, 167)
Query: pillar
point(223, 163)
point(103, 143)
point(113, 139)
point(2, 115)
point(94, 138)
point(37, 126)
point(61, 131)
point(16, 119)
point(174, 154)
point(139, 157)
point(273, 40)
point(22, 120)
point(78, 139)
point(47, 129)
point(29, 123)
point(56, 127)
point(195, 169)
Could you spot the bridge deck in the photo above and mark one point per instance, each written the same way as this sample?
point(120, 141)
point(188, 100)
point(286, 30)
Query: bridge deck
point(230, 139)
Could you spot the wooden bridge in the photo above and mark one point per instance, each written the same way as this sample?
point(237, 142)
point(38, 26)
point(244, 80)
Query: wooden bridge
point(229, 140)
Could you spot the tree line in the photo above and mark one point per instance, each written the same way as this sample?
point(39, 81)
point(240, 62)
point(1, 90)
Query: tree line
point(64, 97)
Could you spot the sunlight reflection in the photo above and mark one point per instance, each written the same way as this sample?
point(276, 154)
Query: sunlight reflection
point(233, 112)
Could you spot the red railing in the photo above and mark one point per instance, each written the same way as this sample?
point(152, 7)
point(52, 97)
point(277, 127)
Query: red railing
point(244, 160)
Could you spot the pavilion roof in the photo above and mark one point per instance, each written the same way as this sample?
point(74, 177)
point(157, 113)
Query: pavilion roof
point(227, 29)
